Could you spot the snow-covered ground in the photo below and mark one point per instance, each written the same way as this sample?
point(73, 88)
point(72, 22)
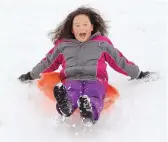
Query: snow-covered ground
point(137, 28)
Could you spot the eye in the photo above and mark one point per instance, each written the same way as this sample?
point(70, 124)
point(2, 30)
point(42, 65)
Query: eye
point(85, 24)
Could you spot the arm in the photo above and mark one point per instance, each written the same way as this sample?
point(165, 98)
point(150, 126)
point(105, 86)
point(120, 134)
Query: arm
point(119, 63)
point(50, 63)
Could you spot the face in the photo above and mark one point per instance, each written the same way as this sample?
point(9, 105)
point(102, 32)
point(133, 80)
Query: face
point(82, 27)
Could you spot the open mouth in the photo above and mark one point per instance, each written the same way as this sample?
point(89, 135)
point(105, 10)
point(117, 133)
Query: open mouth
point(82, 35)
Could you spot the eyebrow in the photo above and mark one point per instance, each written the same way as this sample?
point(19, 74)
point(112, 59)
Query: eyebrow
point(78, 23)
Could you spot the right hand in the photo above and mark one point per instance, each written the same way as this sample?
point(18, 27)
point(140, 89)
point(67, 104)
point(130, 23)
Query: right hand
point(25, 77)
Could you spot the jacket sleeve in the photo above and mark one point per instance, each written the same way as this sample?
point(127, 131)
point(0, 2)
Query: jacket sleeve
point(119, 63)
point(50, 63)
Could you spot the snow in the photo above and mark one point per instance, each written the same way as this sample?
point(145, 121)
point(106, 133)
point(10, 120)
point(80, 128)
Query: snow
point(137, 29)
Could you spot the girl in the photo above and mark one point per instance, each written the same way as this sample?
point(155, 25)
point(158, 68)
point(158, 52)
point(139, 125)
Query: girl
point(82, 48)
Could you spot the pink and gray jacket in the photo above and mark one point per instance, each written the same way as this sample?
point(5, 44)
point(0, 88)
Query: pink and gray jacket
point(86, 60)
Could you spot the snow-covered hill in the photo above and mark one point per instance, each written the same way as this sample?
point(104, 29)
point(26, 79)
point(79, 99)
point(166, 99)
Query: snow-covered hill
point(137, 29)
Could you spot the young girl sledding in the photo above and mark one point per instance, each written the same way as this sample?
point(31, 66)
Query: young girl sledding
point(82, 48)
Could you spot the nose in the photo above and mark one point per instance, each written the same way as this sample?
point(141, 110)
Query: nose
point(82, 31)
point(82, 28)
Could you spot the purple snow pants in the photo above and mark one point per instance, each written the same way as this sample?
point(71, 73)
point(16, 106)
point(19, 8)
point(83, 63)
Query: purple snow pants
point(94, 89)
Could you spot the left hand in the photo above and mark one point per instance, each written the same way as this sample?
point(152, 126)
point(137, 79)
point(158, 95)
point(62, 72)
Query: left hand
point(143, 74)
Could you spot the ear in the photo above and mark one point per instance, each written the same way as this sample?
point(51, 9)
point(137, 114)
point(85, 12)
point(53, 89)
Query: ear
point(91, 27)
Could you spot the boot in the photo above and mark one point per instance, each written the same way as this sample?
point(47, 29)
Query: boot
point(63, 105)
point(85, 108)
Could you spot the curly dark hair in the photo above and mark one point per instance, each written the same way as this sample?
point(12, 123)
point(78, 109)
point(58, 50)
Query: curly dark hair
point(64, 30)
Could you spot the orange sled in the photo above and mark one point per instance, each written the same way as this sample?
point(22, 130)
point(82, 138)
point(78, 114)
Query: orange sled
point(48, 80)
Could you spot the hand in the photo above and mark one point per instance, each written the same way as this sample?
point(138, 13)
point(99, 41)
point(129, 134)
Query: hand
point(25, 77)
point(143, 74)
